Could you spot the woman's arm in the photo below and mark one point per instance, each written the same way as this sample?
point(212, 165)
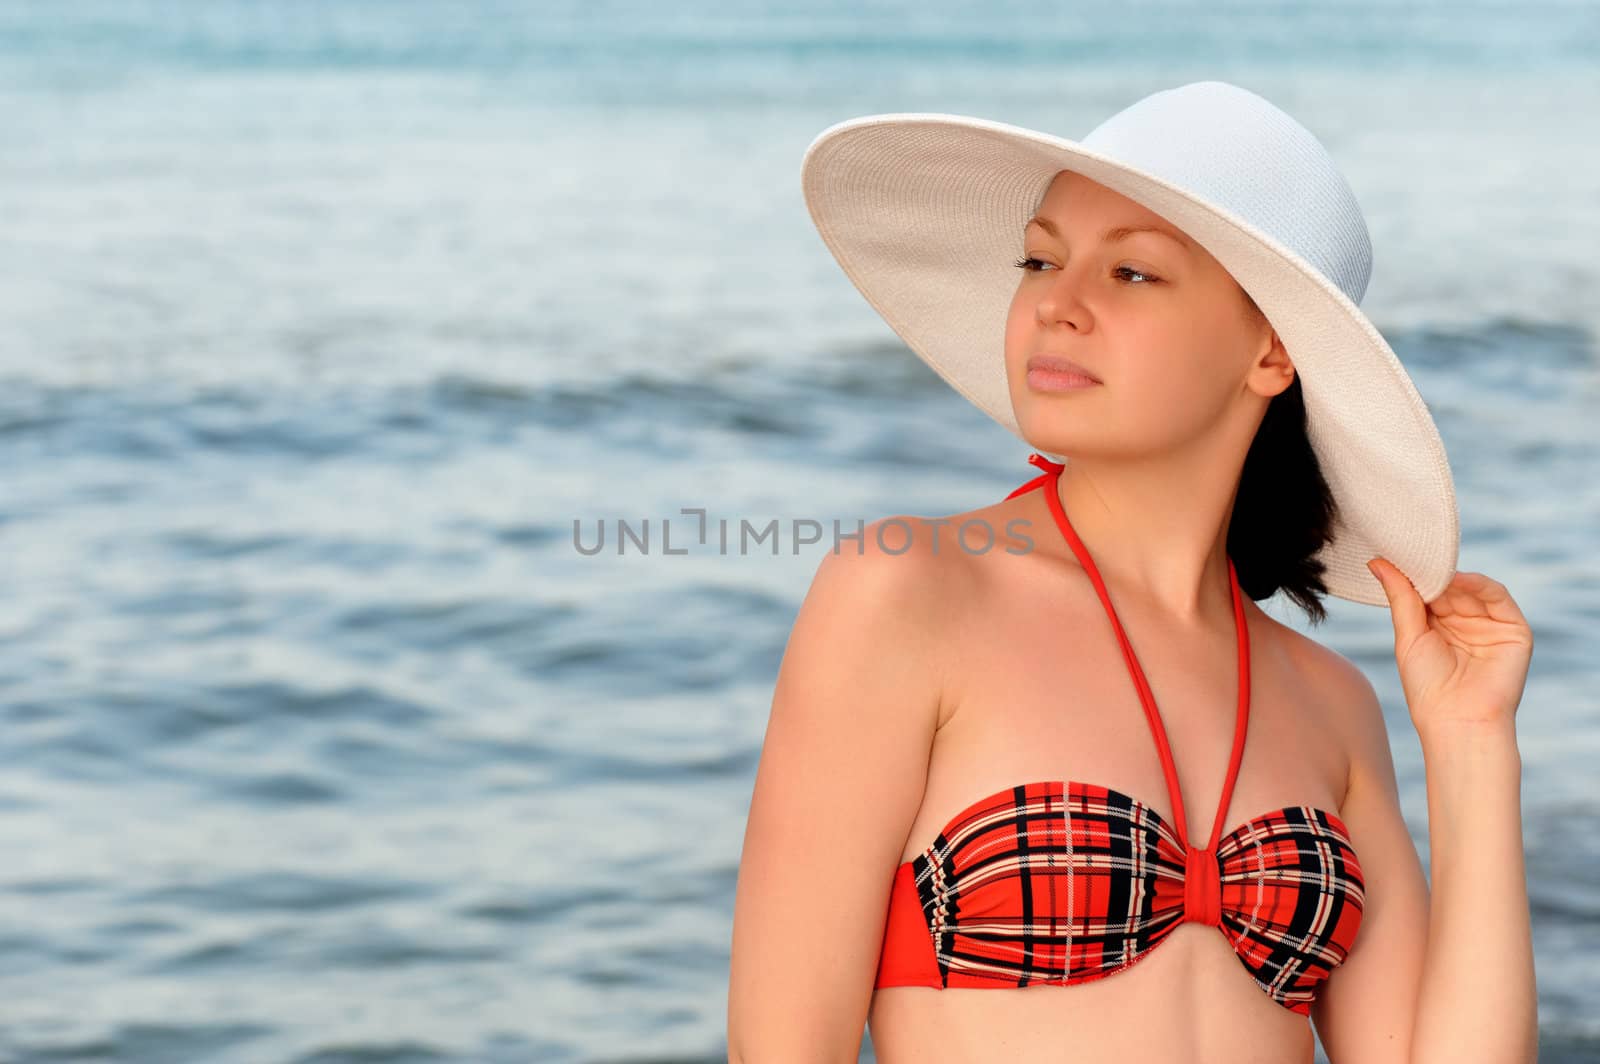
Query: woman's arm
point(1477, 1000)
point(1463, 661)
point(841, 776)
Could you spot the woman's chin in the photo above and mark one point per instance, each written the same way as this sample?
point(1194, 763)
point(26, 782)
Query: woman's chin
point(1043, 427)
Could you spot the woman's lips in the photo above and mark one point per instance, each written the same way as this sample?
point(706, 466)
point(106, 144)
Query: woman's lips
point(1047, 373)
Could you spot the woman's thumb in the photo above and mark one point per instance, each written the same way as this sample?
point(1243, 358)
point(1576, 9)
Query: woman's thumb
point(1406, 608)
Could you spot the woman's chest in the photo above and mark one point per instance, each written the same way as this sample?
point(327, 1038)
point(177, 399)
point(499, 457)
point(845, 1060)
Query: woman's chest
point(1074, 763)
point(1037, 698)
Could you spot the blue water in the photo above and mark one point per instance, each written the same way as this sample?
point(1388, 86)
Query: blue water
point(325, 321)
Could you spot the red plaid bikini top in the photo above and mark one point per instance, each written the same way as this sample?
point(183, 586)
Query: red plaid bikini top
point(1066, 882)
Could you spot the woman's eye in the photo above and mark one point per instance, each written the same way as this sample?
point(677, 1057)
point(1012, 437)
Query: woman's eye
point(1033, 265)
point(1149, 278)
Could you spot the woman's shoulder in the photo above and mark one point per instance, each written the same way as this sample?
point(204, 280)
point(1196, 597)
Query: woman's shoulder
point(1319, 666)
point(903, 592)
point(914, 573)
point(939, 555)
point(1341, 694)
point(877, 618)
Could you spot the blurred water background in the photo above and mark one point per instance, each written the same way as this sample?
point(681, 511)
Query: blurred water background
point(323, 322)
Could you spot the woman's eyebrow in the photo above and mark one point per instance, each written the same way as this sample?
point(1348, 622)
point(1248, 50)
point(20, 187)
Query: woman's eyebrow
point(1115, 233)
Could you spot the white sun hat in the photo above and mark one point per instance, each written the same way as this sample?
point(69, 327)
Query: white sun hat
point(925, 212)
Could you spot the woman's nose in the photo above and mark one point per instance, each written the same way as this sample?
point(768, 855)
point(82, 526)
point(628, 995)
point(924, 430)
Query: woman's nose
point(1061, 300)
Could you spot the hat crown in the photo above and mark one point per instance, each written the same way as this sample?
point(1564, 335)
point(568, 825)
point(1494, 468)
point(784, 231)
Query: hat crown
point(1228, 145)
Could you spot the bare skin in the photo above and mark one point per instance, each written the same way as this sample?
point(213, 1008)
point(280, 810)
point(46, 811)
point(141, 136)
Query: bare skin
point(1037, 690)
point(916, 683)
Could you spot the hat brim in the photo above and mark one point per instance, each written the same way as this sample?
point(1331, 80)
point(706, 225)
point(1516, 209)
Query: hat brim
point(924, 213)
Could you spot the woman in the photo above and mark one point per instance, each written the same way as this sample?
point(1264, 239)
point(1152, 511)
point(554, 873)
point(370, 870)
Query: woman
point(1075, 763)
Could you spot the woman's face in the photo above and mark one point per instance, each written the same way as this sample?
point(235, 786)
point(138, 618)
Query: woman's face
point(1165, 329)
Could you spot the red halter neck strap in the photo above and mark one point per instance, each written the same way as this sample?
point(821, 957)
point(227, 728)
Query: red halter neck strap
point(1049, 475)
point(1203, 884)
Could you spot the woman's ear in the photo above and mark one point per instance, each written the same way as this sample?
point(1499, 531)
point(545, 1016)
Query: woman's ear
point(1273, 371)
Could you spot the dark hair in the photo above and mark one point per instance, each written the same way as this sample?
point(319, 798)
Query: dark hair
point(1284, 511)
